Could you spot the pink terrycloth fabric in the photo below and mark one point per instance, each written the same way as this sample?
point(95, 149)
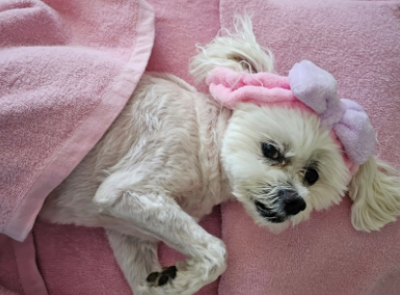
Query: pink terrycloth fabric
point(180, 25)
point(359, 43)
point(66, 70)
point(10, 281)
point(230, 88)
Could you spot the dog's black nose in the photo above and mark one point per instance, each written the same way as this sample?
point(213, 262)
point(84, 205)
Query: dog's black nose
point(293, 203)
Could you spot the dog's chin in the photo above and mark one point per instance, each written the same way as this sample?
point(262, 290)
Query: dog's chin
point(275, 226)
point(279, 227)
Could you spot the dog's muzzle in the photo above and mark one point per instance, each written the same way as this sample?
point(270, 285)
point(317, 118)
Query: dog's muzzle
point(287, 203)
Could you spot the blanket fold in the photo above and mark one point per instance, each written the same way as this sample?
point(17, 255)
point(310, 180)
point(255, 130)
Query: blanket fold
point(67, 69)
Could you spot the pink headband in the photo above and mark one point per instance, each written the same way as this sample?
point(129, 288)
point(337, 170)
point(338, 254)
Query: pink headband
point(307, 87)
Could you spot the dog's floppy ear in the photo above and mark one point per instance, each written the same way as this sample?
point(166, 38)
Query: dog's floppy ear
point(238, 51)
point(375, 191)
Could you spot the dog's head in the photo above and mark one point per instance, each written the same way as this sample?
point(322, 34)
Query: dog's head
point(286, 155)
point(283, 161)
point(281, 164)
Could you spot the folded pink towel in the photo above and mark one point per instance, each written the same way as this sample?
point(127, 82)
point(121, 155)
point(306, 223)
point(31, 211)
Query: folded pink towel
point(359, 43)
point(66, 70)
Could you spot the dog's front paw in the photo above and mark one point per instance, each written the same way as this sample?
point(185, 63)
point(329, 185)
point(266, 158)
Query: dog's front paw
point(186, 279)
point(162, 278)
point(188, 276)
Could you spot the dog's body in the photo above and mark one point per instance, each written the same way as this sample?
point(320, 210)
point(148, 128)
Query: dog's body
point(174, 153)
point(157, 164)
point(166, 140)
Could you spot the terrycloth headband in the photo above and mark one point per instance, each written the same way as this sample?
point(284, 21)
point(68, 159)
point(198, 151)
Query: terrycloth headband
point(307, 87)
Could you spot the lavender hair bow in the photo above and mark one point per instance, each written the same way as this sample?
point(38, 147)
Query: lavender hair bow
point(318, 90)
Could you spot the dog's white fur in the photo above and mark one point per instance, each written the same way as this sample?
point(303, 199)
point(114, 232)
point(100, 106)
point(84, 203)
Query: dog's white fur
point(174, 153)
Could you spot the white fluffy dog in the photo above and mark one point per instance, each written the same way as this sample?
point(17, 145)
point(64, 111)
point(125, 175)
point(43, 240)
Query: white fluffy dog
point(174, 153)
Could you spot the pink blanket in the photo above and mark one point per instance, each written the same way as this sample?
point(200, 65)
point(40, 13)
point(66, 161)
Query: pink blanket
point(359, 43)
point(66, 70)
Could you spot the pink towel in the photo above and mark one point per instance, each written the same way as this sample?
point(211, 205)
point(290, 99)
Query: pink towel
point(66, 70)
point(180, 25)
point(10, 281)
point(359, 43)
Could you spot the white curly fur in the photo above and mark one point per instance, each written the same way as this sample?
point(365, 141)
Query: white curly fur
point(375, 191)
point(238, 51)
point(174, 153)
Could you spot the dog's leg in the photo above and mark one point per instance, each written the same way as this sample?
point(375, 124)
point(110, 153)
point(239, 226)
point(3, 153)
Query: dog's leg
point(160, 217)
point(136, 257)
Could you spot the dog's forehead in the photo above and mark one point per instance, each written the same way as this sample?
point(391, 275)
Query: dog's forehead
point(297, 134)
point(287, 126)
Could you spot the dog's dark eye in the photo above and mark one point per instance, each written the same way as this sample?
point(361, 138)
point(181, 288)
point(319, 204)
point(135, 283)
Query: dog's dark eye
point(269, 151)
point(311, 176)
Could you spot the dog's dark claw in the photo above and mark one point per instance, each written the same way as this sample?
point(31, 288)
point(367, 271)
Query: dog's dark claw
point(151, 278)
point(162, 278)
point(170, 271)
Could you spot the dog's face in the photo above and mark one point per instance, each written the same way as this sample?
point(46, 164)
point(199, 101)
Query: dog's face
point(281, 164)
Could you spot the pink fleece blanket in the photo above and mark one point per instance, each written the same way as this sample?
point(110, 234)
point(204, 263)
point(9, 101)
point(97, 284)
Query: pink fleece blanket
point(359, 43)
